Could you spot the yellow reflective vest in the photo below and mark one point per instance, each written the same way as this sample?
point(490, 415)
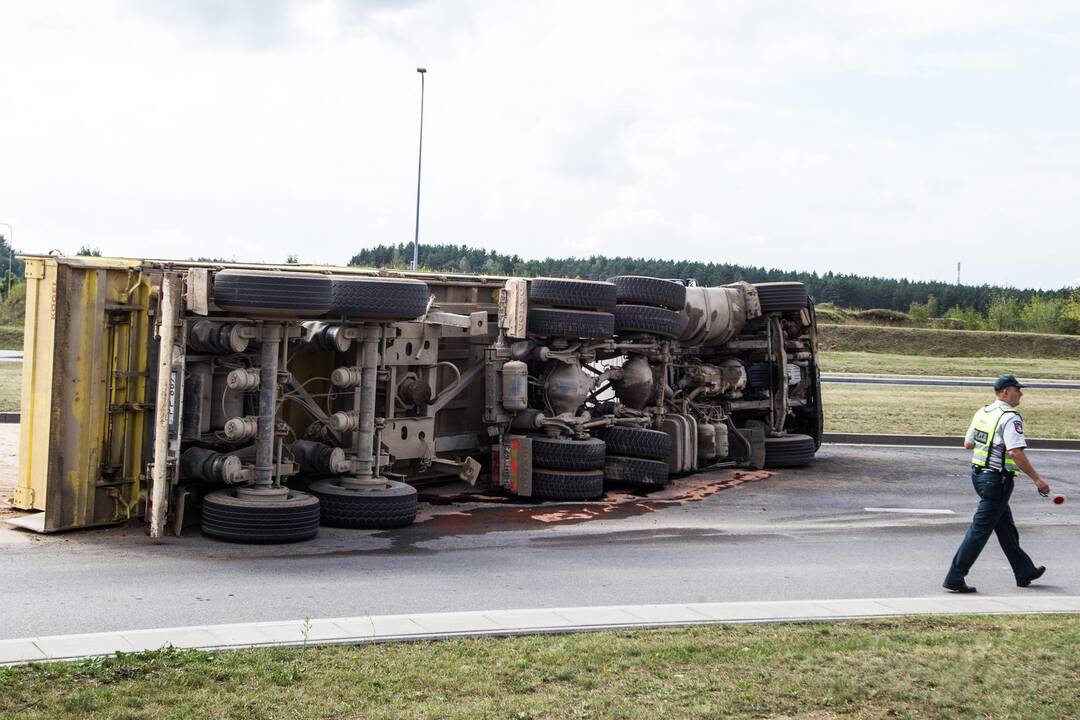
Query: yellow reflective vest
point(986, 425)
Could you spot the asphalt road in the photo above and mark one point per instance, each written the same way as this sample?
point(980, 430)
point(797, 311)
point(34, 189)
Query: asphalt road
point(796, 534)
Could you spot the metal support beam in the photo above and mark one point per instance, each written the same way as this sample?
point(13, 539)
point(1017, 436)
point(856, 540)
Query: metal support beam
point(364, 437)
point(159, 492)
point(268, 371)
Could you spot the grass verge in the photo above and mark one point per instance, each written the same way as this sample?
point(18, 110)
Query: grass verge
point(947, 343)
point(893, 364)
point(941, 410)
point(1021, 667)
point(11, 337)
point(10, 386)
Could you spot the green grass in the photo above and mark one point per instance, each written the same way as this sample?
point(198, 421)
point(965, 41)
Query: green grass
point(946, 343)
point(10, 386)
point(1004, 667)
point(941, 410)
point(11, 337)
point(836, 361)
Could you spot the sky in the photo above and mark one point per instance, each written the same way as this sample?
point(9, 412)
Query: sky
point(875, 137)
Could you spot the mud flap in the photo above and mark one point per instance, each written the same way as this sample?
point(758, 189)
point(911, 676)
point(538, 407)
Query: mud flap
point(511, 465)
point(754, 434)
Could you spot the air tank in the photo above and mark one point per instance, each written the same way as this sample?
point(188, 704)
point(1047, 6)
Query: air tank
point(515, 386)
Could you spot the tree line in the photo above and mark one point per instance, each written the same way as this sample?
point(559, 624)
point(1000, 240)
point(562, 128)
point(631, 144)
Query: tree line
point(842, 290)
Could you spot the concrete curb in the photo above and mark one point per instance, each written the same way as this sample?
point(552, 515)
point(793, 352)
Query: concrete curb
point(952, 441)
point(436, 626)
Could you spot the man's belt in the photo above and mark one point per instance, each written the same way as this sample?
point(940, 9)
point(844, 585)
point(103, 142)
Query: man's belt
point(995, 471)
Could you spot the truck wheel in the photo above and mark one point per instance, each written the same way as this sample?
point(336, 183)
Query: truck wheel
point(568, 454)
point(242, 520)
point(567, 484)
point(636, 442)
point(268, 291)
point(379, 298)
point(577, 294)
point(638, 472)
point(637, 290)
point(633, 319)
point(381, 506)
point(549, 322)
point(789, 451)
point(782, 296)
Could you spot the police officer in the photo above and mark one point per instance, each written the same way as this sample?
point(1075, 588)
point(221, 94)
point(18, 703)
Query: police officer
point(996, 437)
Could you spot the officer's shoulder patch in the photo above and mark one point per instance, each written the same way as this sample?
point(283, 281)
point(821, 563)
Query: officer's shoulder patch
point(1018, 426)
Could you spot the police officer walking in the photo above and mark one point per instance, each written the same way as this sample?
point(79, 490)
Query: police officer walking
point(996, 436)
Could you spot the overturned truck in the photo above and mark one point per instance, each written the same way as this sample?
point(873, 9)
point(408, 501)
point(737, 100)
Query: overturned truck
point(267, 400)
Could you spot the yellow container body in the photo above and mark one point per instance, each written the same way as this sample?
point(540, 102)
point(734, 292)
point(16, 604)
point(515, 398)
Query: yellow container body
point(85, 391)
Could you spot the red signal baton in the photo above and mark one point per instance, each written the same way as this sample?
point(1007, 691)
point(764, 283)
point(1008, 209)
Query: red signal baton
point(1056, 499)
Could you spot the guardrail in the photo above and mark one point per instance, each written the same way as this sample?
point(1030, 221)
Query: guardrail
point(942, 382)
point(953, 441)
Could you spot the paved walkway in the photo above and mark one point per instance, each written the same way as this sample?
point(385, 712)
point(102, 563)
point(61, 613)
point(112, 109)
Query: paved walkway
point(429, 626)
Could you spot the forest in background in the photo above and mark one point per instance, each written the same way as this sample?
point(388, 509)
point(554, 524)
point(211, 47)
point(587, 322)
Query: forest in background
point(842, 298)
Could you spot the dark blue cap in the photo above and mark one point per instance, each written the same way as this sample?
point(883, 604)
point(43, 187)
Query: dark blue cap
point(1006, 381)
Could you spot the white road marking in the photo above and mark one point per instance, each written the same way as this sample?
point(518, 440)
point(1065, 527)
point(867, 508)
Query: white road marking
point(913, 511)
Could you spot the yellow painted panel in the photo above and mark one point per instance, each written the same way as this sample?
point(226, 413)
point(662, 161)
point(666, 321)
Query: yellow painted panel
point(84, 383)
point(36, 420)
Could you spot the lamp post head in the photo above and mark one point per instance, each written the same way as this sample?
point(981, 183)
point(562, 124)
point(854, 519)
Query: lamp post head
point(421, 70)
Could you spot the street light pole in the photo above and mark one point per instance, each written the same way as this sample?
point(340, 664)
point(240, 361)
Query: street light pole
point(419, 165)
point(11, 255)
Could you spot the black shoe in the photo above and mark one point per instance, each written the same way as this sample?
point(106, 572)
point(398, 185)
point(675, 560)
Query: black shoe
point(1033, 576)
point(960, 587)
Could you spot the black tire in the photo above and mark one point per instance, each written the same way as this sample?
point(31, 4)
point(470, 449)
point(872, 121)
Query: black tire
point(567, 454)
point(586, 324)
point(782, 296)
point(636, 442)
point(759, 376)
point(242, 520)
point(272, 292)
point(643, 319)
point(567, 484)
point(379, 298)
point(389, 506)
point(637, 472)
point(637, 290)
point(789, 451)
point(577, 294)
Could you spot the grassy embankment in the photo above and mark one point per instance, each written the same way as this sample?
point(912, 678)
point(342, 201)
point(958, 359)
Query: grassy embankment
point(945, 411)
point(11, 337)
point(941, 410)
point(1023, 667)
point(10, 384)
point(914, 351)
point(947, 343)
point(12, 311)
point(838, 361)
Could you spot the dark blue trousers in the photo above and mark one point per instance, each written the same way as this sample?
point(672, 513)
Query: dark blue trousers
point(992, 516)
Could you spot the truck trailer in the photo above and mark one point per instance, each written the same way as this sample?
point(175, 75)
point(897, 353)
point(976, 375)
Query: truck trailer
point(266, 400)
